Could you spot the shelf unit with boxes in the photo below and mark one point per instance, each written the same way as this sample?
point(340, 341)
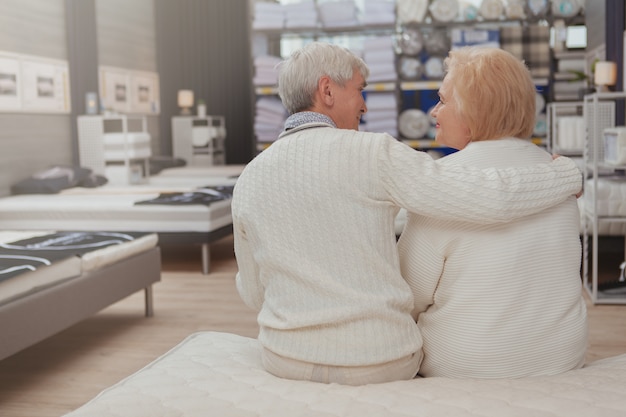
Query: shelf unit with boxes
point(566, 128)
point(419, 48)
point(269, 109)
point(568, 79)
point(116, 147)
point(605, 182)
point(199, 140)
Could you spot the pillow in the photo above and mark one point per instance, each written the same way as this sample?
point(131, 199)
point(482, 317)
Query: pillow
point(52, 180)
point(93, 181)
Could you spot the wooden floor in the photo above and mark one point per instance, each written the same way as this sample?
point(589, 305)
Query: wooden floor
point(66, 370)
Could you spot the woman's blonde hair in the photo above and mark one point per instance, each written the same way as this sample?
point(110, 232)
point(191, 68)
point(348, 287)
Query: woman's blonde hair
point(494, 92)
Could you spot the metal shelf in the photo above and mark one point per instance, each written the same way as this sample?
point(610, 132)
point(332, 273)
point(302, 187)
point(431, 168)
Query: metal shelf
point(599, 114)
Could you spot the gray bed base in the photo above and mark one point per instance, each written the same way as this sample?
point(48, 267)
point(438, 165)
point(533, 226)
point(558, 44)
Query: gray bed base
point(204, 239)
point(37, 316)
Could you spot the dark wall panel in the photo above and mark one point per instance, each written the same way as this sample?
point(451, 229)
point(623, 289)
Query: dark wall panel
point(596, 23)
point(204, 46)
point(82, 46)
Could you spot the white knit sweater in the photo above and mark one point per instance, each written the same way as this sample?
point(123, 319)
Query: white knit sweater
point(313, 219)
point(503, 300)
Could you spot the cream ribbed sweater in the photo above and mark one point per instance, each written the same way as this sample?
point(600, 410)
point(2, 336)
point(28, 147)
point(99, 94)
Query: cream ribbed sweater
point(498, 301)
point(313, 219)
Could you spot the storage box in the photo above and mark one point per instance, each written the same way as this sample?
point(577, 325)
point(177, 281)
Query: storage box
point(615, 145)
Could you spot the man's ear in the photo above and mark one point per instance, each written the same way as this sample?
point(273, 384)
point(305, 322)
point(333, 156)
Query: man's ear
point(325, 90)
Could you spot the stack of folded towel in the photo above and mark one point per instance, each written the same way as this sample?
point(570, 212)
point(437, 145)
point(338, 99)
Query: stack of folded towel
point(268, 16)
point(379, 55)
point(338, 13)
point(265, 70)
point(302, 15)
point(378, 12)
point(269, 118)
point(382, 113)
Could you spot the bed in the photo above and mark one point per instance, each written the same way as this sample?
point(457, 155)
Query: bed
point(51, 280)
point(174, 203)
point(220, 374)
point(611, 202)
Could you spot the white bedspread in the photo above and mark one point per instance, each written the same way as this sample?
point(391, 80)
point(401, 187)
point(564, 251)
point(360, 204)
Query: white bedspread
point(113, 212)
point(219, 374)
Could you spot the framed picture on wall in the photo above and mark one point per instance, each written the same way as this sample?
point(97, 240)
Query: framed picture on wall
point(31, 83)
point(144, 92)
point(45, 86)
point(115, 89)
point(10, 80)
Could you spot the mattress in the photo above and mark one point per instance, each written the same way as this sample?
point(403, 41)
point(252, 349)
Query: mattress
point(215, 171)
point(611, 202)
point(156, 184)
point(220, 374)
point(123, 146)
point(96, 211)
point(30, 266)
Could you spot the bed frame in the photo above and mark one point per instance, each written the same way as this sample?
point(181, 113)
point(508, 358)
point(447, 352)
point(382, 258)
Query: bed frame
point(204, 239)
point(37, 316)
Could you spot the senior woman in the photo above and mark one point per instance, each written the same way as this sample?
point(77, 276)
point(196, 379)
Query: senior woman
point(499, 300)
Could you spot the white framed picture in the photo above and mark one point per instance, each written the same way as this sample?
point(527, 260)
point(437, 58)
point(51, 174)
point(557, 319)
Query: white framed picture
point(144, 92)
point(10, 80)
point(128, 91)
point(45, 86)
point(31, 83)
point(115, 89)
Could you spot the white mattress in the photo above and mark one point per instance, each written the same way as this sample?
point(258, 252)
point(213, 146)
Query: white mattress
point(611, 202)
point(215, 171)
point(122, 154)
point(155, 184)
point(122, 146)
point(220, 374)
point(48, 275)
point(96, 211)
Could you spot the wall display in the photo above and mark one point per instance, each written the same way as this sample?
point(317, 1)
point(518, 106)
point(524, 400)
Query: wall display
point(45, 87)
point(33, 84)
point(114, 89)
point(128, 91)
point(10, 91)
point(145, 93)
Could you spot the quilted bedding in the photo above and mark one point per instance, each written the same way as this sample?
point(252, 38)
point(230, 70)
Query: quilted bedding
point(220, 374)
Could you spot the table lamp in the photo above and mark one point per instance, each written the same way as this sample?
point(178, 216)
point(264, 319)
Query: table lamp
point(605, 74)
point(185, 101)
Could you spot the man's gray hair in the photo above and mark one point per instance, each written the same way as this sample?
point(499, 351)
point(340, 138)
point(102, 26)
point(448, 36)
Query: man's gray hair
point(299, 74)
